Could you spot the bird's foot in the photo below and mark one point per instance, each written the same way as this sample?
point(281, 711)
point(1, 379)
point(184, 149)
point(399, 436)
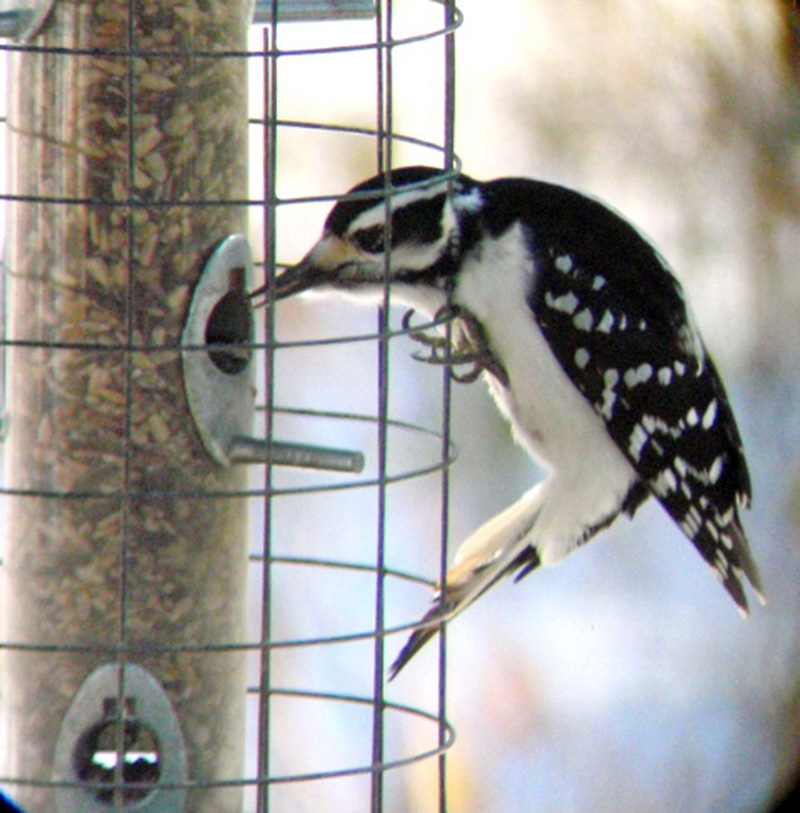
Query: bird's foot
point(467, 346)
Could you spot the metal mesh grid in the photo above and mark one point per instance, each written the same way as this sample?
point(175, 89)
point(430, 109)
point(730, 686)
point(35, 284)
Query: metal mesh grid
point(129, 508)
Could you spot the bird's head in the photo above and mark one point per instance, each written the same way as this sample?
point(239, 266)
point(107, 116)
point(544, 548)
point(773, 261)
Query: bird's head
point(403, 227)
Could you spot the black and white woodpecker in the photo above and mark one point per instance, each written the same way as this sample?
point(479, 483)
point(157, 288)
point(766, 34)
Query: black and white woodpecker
point(587, 344)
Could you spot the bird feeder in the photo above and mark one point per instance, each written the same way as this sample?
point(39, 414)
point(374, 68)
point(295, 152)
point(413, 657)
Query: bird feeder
point(129, 346)
point(125, 543)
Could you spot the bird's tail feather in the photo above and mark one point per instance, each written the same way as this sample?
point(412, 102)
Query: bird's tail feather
point(493, 551)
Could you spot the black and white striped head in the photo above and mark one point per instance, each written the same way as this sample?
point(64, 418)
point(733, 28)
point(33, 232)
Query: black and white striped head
point(405, 224)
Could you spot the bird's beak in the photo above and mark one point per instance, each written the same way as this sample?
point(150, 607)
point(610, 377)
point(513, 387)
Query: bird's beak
point(292, 281)
point(321, 265)
point(298, 278)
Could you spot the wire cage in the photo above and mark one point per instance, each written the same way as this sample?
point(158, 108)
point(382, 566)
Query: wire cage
point(199, 582)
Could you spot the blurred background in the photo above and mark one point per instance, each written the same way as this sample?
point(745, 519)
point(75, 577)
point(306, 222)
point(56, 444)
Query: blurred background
point(622, 679)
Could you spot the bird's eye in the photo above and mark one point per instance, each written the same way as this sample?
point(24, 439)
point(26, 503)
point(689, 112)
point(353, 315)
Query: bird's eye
point(370, 240)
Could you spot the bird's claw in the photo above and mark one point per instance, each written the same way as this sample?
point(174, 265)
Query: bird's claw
point(454, 359)
point(467, 345)
point(436, 342)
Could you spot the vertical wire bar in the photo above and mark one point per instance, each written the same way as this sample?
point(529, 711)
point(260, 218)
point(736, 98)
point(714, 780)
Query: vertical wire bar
point(447, 384)
point(380, 70)
point(270, 201)
point(384, 127)
point(122, 633)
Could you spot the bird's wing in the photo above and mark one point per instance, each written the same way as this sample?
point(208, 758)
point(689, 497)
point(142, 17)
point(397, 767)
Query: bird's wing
point(618, 324)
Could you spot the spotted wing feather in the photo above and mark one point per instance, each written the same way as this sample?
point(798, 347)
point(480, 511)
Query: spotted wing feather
point(616, 320)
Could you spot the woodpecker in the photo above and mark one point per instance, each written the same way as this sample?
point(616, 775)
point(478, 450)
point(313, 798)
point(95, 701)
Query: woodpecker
point(587, 344)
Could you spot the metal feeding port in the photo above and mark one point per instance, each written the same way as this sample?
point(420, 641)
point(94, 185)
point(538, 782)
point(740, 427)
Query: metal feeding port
point(22, 19)
point(217, 349)
point(138, 740)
